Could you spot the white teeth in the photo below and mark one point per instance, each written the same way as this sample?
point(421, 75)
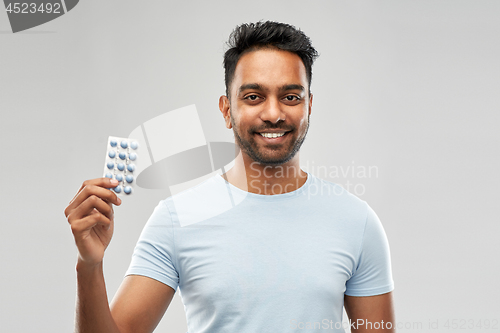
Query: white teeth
point(272, 135)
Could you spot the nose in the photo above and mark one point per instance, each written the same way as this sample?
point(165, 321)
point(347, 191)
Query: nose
point(272, 111)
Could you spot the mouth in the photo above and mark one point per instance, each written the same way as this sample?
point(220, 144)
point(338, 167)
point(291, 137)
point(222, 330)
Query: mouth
point(273, 137)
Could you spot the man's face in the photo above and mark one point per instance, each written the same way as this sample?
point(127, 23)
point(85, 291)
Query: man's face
point(269, 94)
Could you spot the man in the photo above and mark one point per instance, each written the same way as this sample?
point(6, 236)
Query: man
point(287, 253)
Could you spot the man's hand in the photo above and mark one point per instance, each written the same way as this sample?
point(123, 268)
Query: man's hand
point(90, 215)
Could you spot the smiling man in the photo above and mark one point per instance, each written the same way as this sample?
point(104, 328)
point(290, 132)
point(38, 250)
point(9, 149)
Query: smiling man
point(268, 104)
point(288, 252)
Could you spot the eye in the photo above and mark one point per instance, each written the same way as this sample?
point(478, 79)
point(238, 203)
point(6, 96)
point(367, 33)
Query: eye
point(292, 98)
point(252, 97)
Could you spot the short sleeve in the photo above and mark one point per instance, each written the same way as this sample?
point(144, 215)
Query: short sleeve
point(373, 274)
point(154, 253)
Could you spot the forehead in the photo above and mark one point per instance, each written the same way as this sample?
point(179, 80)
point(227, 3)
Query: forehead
point(271, 68)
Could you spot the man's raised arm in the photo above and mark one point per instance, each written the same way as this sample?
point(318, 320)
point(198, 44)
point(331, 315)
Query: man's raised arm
point(140, 302)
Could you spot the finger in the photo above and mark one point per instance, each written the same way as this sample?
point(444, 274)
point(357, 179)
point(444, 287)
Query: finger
point(90, 222)
point(103, 182)
point(91, 204)
point(98, 187)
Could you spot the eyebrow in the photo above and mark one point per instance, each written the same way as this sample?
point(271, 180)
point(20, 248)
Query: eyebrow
point(251, 86)
point(256, 86)
point(287, 87)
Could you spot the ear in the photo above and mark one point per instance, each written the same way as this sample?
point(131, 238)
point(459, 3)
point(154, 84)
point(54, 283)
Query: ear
point(225, 108)
point(310, 103)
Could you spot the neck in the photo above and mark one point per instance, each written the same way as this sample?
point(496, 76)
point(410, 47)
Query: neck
point(254, 177)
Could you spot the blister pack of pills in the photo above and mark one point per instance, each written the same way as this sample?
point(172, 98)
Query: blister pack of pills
point(121, 162)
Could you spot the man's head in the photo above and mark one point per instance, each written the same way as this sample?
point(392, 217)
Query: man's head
point(268, 72)
point(254, 36)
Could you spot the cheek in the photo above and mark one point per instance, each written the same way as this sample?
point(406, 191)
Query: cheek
point(233, 118)
point(303, 121)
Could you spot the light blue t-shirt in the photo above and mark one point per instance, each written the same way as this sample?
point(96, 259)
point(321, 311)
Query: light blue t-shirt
point(247, 262)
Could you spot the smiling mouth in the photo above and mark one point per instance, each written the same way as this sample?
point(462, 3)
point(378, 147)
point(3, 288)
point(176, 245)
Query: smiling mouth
point(273, 136)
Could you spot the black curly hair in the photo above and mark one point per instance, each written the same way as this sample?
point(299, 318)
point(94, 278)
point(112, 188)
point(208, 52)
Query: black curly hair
point(253, 36)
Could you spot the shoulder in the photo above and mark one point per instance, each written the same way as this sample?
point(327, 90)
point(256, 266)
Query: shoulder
point(198, 202)
point(336, 196)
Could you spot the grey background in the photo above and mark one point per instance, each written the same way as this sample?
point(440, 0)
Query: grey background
point(410, 87)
